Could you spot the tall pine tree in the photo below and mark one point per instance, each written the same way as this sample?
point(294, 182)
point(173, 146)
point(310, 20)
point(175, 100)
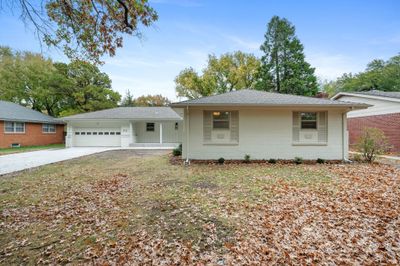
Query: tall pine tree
point(283, 68)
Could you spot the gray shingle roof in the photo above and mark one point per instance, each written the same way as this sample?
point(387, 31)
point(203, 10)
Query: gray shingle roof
point(262, 98)
point(138, 113)
point(388, 94)
point(14, 112)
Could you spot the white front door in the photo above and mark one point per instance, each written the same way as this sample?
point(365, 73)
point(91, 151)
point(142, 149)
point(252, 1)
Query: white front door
point(97, 137)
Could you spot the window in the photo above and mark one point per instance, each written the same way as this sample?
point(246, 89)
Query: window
point(94, 133)
point(14, 127)
point(88, 133)
point(308, 120)
point(112, 133)
point(176, 125)
point(76, 133)
point(221, 120)
point(106, 133)
point(83, 133)
point(101, 133)
point(150, 126)
point(118, 133)
point(48, 128)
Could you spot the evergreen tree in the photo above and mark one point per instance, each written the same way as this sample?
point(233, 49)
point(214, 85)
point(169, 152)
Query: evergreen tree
point(283, 66)
point(128, 100)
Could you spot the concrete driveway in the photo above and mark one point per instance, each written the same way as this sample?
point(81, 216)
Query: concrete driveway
point(20, 161)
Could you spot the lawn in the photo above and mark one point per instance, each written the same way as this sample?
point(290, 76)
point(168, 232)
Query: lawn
point(5, 151)
point(120, 207)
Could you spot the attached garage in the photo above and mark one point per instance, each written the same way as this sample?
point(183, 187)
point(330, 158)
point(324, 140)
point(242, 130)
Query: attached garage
point(97, 137)
point(125, 127)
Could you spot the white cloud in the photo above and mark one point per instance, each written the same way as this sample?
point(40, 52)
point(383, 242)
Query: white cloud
point(244, 44)
point(331, 66)
point(144, 86)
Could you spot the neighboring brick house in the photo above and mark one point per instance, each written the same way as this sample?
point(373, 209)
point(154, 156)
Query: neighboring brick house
point(384, 114)
point(26, 127)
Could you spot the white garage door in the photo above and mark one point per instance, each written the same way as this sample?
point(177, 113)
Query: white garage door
point(97, 137)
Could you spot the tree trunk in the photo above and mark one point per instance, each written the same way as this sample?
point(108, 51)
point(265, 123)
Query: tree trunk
point(278, 82)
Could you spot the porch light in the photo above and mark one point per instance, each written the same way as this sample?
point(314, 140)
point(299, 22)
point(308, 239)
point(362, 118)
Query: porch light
point(216, 113)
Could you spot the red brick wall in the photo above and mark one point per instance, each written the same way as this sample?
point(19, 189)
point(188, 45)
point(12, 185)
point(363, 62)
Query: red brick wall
point(389, 123)
point(33, 136)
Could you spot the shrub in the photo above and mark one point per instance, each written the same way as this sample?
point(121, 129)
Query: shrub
point(319, 160)
point(298, 160)
point(272, 160)
point(372, 142)
point(176, 152)
point(247, 158)
point(221, 160)
point(357, 157)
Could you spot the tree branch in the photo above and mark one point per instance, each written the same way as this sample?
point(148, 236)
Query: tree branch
point(126, 14)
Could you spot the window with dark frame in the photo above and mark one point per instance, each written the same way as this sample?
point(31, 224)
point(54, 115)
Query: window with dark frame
point(176, 125)
point(308, 120)
point(221, 120)
point(150, 127)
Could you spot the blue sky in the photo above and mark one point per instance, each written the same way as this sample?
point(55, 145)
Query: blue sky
point(338, 36)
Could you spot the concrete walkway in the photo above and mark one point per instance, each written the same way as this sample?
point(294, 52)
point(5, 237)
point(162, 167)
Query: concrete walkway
point(20, 161)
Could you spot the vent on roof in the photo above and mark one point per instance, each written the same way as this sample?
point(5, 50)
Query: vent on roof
point(15, 145)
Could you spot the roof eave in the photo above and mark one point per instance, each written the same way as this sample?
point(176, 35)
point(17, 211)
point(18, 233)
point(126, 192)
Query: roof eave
point(385, 98)
point(357, 105)
point(122, 119)
point(32, 121)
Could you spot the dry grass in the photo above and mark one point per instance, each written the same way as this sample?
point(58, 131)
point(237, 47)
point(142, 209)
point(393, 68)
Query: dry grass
point(123, 207)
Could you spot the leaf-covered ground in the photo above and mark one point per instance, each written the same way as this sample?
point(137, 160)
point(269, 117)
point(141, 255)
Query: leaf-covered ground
point(127, 207)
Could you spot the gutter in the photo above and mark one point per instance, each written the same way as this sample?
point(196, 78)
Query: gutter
point(355, 105)
point(123, 119)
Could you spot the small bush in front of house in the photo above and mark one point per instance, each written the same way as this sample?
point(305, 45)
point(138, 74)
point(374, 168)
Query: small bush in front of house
point(357, 157)
point(298, 160)
point(177, 152)
point(372, 142)
point(272, 161)
point(221, 160)
point(320, 161)
point(247, 158)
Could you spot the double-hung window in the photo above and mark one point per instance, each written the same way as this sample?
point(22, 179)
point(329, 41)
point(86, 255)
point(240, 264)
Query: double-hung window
point(308, 120)
point(14, 127)
point(49, 128)
point(221, 120)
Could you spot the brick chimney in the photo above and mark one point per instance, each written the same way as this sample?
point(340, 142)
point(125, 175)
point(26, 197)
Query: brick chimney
point(322, 95)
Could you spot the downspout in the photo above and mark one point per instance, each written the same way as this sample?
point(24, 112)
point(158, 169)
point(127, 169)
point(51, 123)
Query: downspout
point(187, 162)
point(345, 159)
